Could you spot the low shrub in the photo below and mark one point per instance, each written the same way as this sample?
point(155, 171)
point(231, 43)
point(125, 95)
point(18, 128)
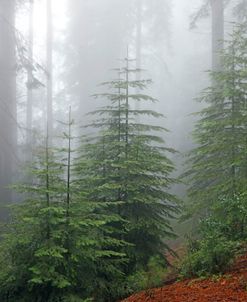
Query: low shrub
point(220, 237)
point(153, 276)
point(213, 256)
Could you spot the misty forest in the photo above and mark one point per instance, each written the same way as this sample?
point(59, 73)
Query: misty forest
point(123, 150)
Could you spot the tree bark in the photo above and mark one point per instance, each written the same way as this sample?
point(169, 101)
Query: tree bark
point(138, 47)
point(29, 117)
point(49, 53)
point(139, 36)
point(8, 118)
point(217, 7)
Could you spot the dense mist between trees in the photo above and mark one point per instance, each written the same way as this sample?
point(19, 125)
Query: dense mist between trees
point(122, 135)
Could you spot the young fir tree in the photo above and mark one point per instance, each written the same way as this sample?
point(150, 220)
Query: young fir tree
point(53, 249)
point(218, 165)
point(126, 163)
point(33, 249)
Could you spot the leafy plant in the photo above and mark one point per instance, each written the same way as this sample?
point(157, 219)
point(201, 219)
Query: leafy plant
point(152, 277)
point(221, 234)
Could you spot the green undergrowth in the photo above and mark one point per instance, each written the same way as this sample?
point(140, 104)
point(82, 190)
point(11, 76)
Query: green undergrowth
point(222, 235)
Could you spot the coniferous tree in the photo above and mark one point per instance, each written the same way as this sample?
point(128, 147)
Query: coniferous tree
point(218, 164)
point(94, 255)
point(33, 246)
point(58, 244)
point(127, 162)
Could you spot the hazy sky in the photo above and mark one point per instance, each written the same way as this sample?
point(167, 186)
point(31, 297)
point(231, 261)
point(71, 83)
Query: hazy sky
point(186, 61)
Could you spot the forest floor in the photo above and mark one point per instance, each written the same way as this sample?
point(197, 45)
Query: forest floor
point(229, 287)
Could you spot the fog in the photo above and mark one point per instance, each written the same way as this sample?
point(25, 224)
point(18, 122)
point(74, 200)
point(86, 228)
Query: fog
point(64, 50)
point(172, 54)
point(155, 59)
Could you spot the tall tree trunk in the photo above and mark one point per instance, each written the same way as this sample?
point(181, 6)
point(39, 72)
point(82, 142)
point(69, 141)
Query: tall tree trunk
point(29, 117)
point(127, 107)
point(217, 32)
point(49, 54)
point(8, 122)
point(139, 36)
point(235, 108)
point(138, 46)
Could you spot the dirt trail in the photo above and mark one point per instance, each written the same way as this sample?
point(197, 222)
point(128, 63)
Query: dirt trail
point(231, 287)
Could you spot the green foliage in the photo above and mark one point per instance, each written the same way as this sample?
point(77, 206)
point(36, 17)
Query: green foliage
point(230, 214)
point(33, 247)
point(217, 172)
point(213, 255)
point(217, 166)
point(127, 165)
point(153, 276)
point(74, 298)
point(221, 234)
point(92, 218)
point(57, 245)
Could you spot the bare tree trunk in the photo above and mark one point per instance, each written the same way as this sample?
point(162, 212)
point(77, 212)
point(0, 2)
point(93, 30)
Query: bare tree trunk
point(217, 32)
point(139, 36)
point(138, 46)
point(8, 118)
point(29, 117)
point(49, 54)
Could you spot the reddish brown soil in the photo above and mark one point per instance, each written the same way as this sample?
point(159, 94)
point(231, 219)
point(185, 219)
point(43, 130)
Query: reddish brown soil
point(231, 287)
